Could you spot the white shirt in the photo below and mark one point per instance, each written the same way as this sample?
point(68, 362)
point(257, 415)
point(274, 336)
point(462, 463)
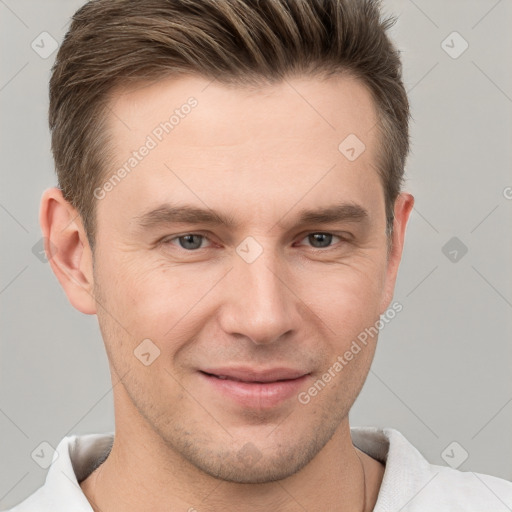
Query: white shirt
point(410, 483)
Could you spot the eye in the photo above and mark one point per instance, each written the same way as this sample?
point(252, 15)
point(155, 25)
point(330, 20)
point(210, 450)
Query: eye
point(189, 241)
point(194, 241)
point(321, 240)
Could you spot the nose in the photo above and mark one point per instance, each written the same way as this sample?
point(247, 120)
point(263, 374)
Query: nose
point(259, 302)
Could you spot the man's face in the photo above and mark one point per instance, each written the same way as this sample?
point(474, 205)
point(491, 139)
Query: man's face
point(266, 298)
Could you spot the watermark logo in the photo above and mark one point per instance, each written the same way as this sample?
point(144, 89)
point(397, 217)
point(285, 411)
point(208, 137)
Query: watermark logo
point(454, 454)
point(249, 249)
point(44, 45)
point(352, 147)
point(249, 454)
point(146, 352)
point(454, 45)
point(44, 455)
point(39, 252)
point(454, 249)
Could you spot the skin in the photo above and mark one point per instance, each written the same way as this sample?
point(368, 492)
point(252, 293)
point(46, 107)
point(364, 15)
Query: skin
point(259, 155)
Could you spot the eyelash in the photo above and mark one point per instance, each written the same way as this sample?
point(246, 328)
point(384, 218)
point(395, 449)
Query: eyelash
point(167, 241)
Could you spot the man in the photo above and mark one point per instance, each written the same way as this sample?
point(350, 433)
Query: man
point(230, 207)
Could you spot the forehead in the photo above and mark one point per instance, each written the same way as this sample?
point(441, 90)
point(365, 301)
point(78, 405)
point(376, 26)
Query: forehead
point(334, 104)
point(330, 100)
point(225, 143)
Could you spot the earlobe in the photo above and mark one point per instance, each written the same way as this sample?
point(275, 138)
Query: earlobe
point(403, 207)
point(67, 249)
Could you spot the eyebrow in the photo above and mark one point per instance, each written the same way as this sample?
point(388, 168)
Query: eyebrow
point(187, 214)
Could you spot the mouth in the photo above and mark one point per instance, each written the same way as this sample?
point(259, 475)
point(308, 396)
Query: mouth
point(255, 389)
point(248, 374)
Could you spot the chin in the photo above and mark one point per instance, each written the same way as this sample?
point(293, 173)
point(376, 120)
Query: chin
point(264, 470)
point(253, 463)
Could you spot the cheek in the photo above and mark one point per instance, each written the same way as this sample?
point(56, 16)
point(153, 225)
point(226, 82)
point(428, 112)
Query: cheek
point(158, 301)
point(345, 298)
point(348, 307)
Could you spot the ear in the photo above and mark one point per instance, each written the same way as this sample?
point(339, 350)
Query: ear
point(403, 207)
point(67, 249)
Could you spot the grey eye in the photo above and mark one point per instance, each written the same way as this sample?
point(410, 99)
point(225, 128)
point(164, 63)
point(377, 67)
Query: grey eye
point(191, 241)
point(322, 239)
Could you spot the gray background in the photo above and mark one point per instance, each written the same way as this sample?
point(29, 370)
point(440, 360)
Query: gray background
point(442, 368)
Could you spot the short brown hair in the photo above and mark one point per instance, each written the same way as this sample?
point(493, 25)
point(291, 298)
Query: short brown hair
point(240, 42)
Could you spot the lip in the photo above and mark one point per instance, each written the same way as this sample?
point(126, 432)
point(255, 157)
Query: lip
point(255, 389)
